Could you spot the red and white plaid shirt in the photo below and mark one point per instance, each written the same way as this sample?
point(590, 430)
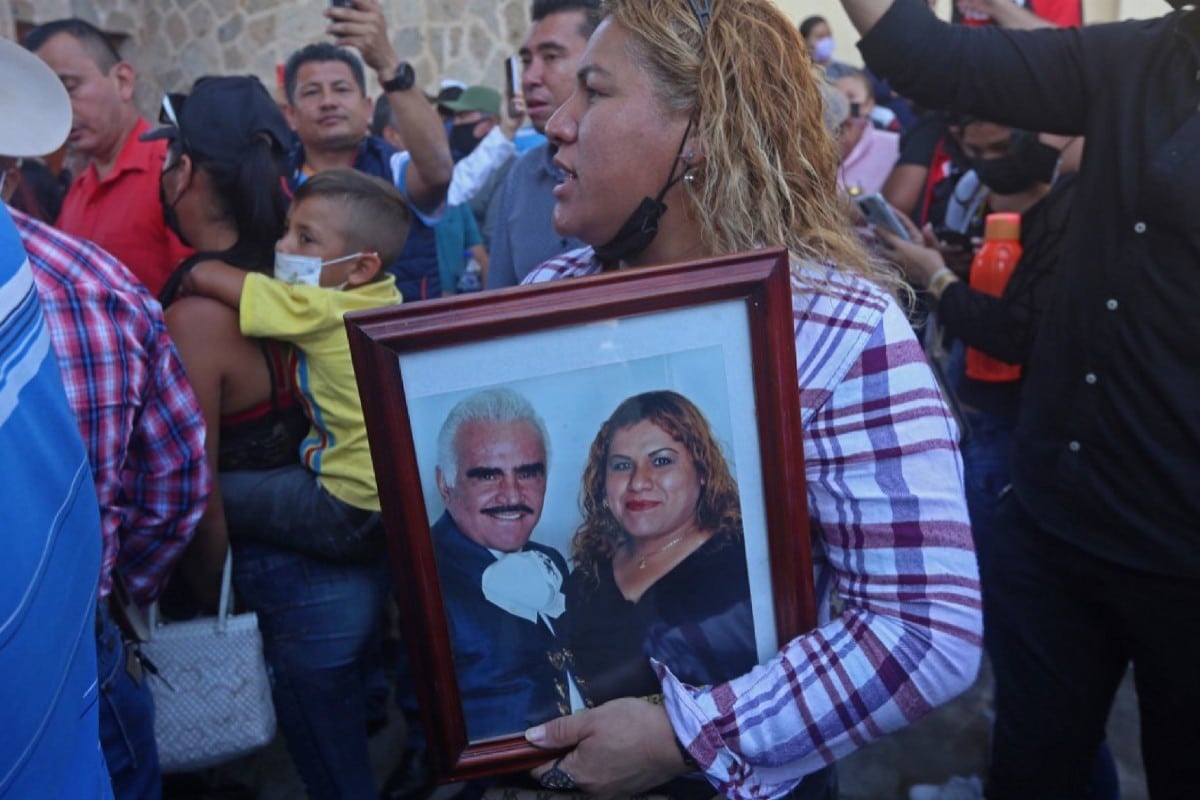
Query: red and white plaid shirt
point(140, 421)
point(890, 536)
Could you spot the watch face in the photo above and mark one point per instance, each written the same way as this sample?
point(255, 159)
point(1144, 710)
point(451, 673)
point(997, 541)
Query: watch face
point(403, 80)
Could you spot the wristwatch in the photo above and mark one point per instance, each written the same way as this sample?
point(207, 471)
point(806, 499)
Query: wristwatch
point(402, 80)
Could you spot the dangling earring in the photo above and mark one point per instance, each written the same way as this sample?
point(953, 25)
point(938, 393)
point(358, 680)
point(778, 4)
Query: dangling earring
point(689, 177)
point(604, 503)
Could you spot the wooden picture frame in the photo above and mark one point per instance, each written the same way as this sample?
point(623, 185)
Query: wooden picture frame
point(718, 331)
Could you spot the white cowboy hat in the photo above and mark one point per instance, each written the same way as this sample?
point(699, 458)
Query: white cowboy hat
point(35, 112)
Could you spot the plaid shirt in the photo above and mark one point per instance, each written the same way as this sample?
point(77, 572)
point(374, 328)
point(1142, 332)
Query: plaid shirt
point(890, 536)
point(140, 422)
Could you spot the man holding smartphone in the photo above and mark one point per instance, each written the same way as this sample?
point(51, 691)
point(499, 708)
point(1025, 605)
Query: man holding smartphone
point(521, 234)
point(328, 108)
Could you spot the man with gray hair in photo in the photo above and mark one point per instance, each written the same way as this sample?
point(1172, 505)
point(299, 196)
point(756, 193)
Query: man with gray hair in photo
point(502, 592)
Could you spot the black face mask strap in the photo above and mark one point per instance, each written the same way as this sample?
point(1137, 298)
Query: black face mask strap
point(672, 178)
point(642, 225)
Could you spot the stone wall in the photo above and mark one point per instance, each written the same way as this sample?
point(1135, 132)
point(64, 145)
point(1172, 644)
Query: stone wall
point(173, 42)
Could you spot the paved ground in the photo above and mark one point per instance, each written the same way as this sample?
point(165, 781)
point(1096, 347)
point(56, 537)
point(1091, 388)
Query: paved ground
point(951, 741)
point(954, 741)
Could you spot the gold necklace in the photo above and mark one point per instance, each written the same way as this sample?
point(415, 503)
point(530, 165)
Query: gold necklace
point(659, 551)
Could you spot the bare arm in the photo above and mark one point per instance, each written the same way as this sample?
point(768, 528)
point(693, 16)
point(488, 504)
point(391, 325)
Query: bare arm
point(199, 327)
point(217, 280)
point(904, 185)
point(365, 29)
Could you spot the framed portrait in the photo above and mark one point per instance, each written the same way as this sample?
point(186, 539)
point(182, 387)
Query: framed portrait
point(581, 478)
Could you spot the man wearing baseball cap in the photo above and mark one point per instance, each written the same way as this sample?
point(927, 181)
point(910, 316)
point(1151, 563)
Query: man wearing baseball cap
point(474, 115)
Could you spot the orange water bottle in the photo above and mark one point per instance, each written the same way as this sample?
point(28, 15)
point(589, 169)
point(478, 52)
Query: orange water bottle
point(990, 271)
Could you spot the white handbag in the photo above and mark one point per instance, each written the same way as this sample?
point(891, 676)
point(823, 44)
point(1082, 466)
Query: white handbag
point(211, 692)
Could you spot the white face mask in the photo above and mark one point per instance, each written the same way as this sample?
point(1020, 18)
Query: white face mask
point(294, 268)
point(823, 49)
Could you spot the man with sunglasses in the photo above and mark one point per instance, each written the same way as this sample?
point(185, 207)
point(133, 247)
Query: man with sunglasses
point(114, 202)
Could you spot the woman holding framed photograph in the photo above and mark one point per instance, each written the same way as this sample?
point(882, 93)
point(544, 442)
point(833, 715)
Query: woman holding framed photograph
point(696, 130)
point(660, 566)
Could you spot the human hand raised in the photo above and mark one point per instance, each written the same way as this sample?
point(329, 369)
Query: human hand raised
point(364, 28)
point(512, 114)
point(621, 748)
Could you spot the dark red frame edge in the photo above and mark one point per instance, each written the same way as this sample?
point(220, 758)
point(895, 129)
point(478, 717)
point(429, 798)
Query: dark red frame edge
point(379, 337)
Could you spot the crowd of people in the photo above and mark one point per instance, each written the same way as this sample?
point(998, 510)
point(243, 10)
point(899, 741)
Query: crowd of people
point(176, 386)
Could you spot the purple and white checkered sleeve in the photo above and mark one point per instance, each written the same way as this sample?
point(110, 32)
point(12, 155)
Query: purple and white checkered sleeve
point(890, 526)
point(571, 264)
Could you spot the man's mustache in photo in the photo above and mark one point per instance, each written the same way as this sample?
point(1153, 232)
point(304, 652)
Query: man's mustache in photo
point(500, 511)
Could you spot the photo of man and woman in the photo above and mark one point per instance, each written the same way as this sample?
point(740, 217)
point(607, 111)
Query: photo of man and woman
point(586, 522)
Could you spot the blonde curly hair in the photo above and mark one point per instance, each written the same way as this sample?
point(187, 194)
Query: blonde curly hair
point(770, 171)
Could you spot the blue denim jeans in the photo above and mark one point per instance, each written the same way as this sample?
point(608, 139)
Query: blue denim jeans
point(319, 621)
point(126, 719)
point(288, 507)
point(987, 469)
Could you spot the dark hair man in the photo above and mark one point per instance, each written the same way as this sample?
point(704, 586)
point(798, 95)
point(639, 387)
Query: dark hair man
point(1097, 560)
point(521, 235)
point(114, 202)
point(329, 110)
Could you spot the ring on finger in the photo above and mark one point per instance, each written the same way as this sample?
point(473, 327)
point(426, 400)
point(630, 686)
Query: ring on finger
point(558, 778)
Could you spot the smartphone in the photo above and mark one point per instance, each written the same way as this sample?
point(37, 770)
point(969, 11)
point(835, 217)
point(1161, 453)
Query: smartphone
point(880, 215)
point(512, 75)
point(953, 238)
point(342, 3)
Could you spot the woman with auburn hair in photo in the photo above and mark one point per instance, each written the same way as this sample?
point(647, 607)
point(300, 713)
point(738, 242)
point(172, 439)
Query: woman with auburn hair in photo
point(696, 130)
point(659, 558)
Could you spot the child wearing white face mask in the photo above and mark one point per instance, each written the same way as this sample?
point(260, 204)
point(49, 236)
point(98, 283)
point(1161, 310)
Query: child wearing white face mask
point(343, 227)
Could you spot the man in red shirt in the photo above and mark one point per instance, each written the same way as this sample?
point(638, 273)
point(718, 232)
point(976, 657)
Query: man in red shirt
point(114, 202)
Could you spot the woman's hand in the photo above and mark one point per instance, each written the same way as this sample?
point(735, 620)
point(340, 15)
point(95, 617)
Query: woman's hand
point(621, 748)
point(919, 262)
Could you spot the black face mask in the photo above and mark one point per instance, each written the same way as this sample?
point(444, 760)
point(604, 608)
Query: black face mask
point(638, 231)
point(642, 226)
point(170, 217)
point(1028, 162)
point(463, 140)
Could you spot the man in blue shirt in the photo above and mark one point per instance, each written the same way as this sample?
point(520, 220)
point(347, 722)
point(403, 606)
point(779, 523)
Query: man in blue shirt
point(329, 110)
point(50, 741)
point(521, 235)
